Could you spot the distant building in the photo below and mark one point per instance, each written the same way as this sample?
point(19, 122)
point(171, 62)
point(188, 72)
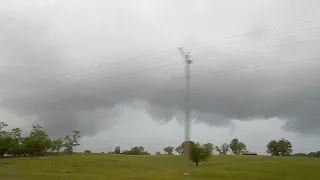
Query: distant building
point(249, 153)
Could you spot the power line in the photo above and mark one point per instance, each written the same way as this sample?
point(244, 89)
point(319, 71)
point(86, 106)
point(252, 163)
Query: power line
point(241, 41)
point(208, 73)
point(106, 77)
point(254, 67)
point(253, 32)
point(122, 88)
point(128, 65)
point(263, 48)
point(74, 72)
point(162, 66)
point(93, 67)
point(160, 51)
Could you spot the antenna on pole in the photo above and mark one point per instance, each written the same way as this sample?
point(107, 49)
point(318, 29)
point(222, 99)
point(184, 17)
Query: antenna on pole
point(187, 60)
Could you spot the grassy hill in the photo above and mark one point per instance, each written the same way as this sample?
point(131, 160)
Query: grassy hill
point(121, 167)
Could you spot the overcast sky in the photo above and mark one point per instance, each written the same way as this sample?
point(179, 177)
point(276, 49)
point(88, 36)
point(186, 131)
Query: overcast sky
point(69, 65)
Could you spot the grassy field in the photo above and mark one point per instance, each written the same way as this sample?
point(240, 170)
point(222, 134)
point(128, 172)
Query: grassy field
point(120, 167)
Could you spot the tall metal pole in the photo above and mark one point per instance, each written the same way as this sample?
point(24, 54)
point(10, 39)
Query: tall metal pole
point(187, 111)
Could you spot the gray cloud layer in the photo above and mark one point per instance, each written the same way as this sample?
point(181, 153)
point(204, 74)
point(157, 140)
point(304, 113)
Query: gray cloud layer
point(41, 42)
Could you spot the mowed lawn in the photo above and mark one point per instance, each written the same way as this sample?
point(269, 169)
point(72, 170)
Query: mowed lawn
point(122, 167)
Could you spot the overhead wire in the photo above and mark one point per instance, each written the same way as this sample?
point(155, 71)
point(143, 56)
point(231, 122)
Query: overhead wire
point(159, 82)
point(216, 72)
point(171, 49)
point(161, 51)
point(253, 67)
point(162, 66)
point(263, 48)
point(241, 41)
point(75, 72)
point(254, 32)
point(94, 67)
point(132, 64)
point(101, 79)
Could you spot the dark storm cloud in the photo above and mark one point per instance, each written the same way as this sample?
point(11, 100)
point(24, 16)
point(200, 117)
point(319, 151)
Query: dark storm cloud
point(33, 48)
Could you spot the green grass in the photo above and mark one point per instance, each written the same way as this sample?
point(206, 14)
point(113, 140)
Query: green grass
point(120, 167)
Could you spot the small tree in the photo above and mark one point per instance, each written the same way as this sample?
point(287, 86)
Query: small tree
point(16, 146)
point(126, 152)
point(273, 148)
point(224, 149)
point(300, 155)
point(71, 141)
point(208, 147)
point(56, 145)
point(217, 148)
point(137, 150)
point(196, 152)
point(5, 140)
point(237, 147)
point(168, 150)
point(158, 153)
point(87, 151)
point(314, 154)
point(179, 150)
point(117, 150)
point(285, 147)
point(282, 147)
point(37, 142)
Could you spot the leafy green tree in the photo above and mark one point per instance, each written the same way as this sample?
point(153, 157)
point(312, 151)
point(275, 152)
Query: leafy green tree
point(56, 145)
point(16, 134)
point(224, 149)
point(71, 141)
point(168, 150)
point(38, 141)
point(125, 152)
point(141, 150)
point(5, 144)
point(237, 147)
point(285, 147)
point(273, 148)
point(35, 144)
point(242, 147)
point(282, 147)
point(16, 147)
point(5, 140)
point(27, 146)
point(217, 148)
point(196, 152)
point(179, 150)
point(117, 150)
point(2, 126)
point(208, 147)
point(300, 155)
point(314, 154)
point(47, 144)
point(137, 150)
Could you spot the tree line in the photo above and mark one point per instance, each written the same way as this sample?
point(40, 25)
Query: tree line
point(136, 150)
point(235, 146)
point(37, 143)
point(197, 152)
